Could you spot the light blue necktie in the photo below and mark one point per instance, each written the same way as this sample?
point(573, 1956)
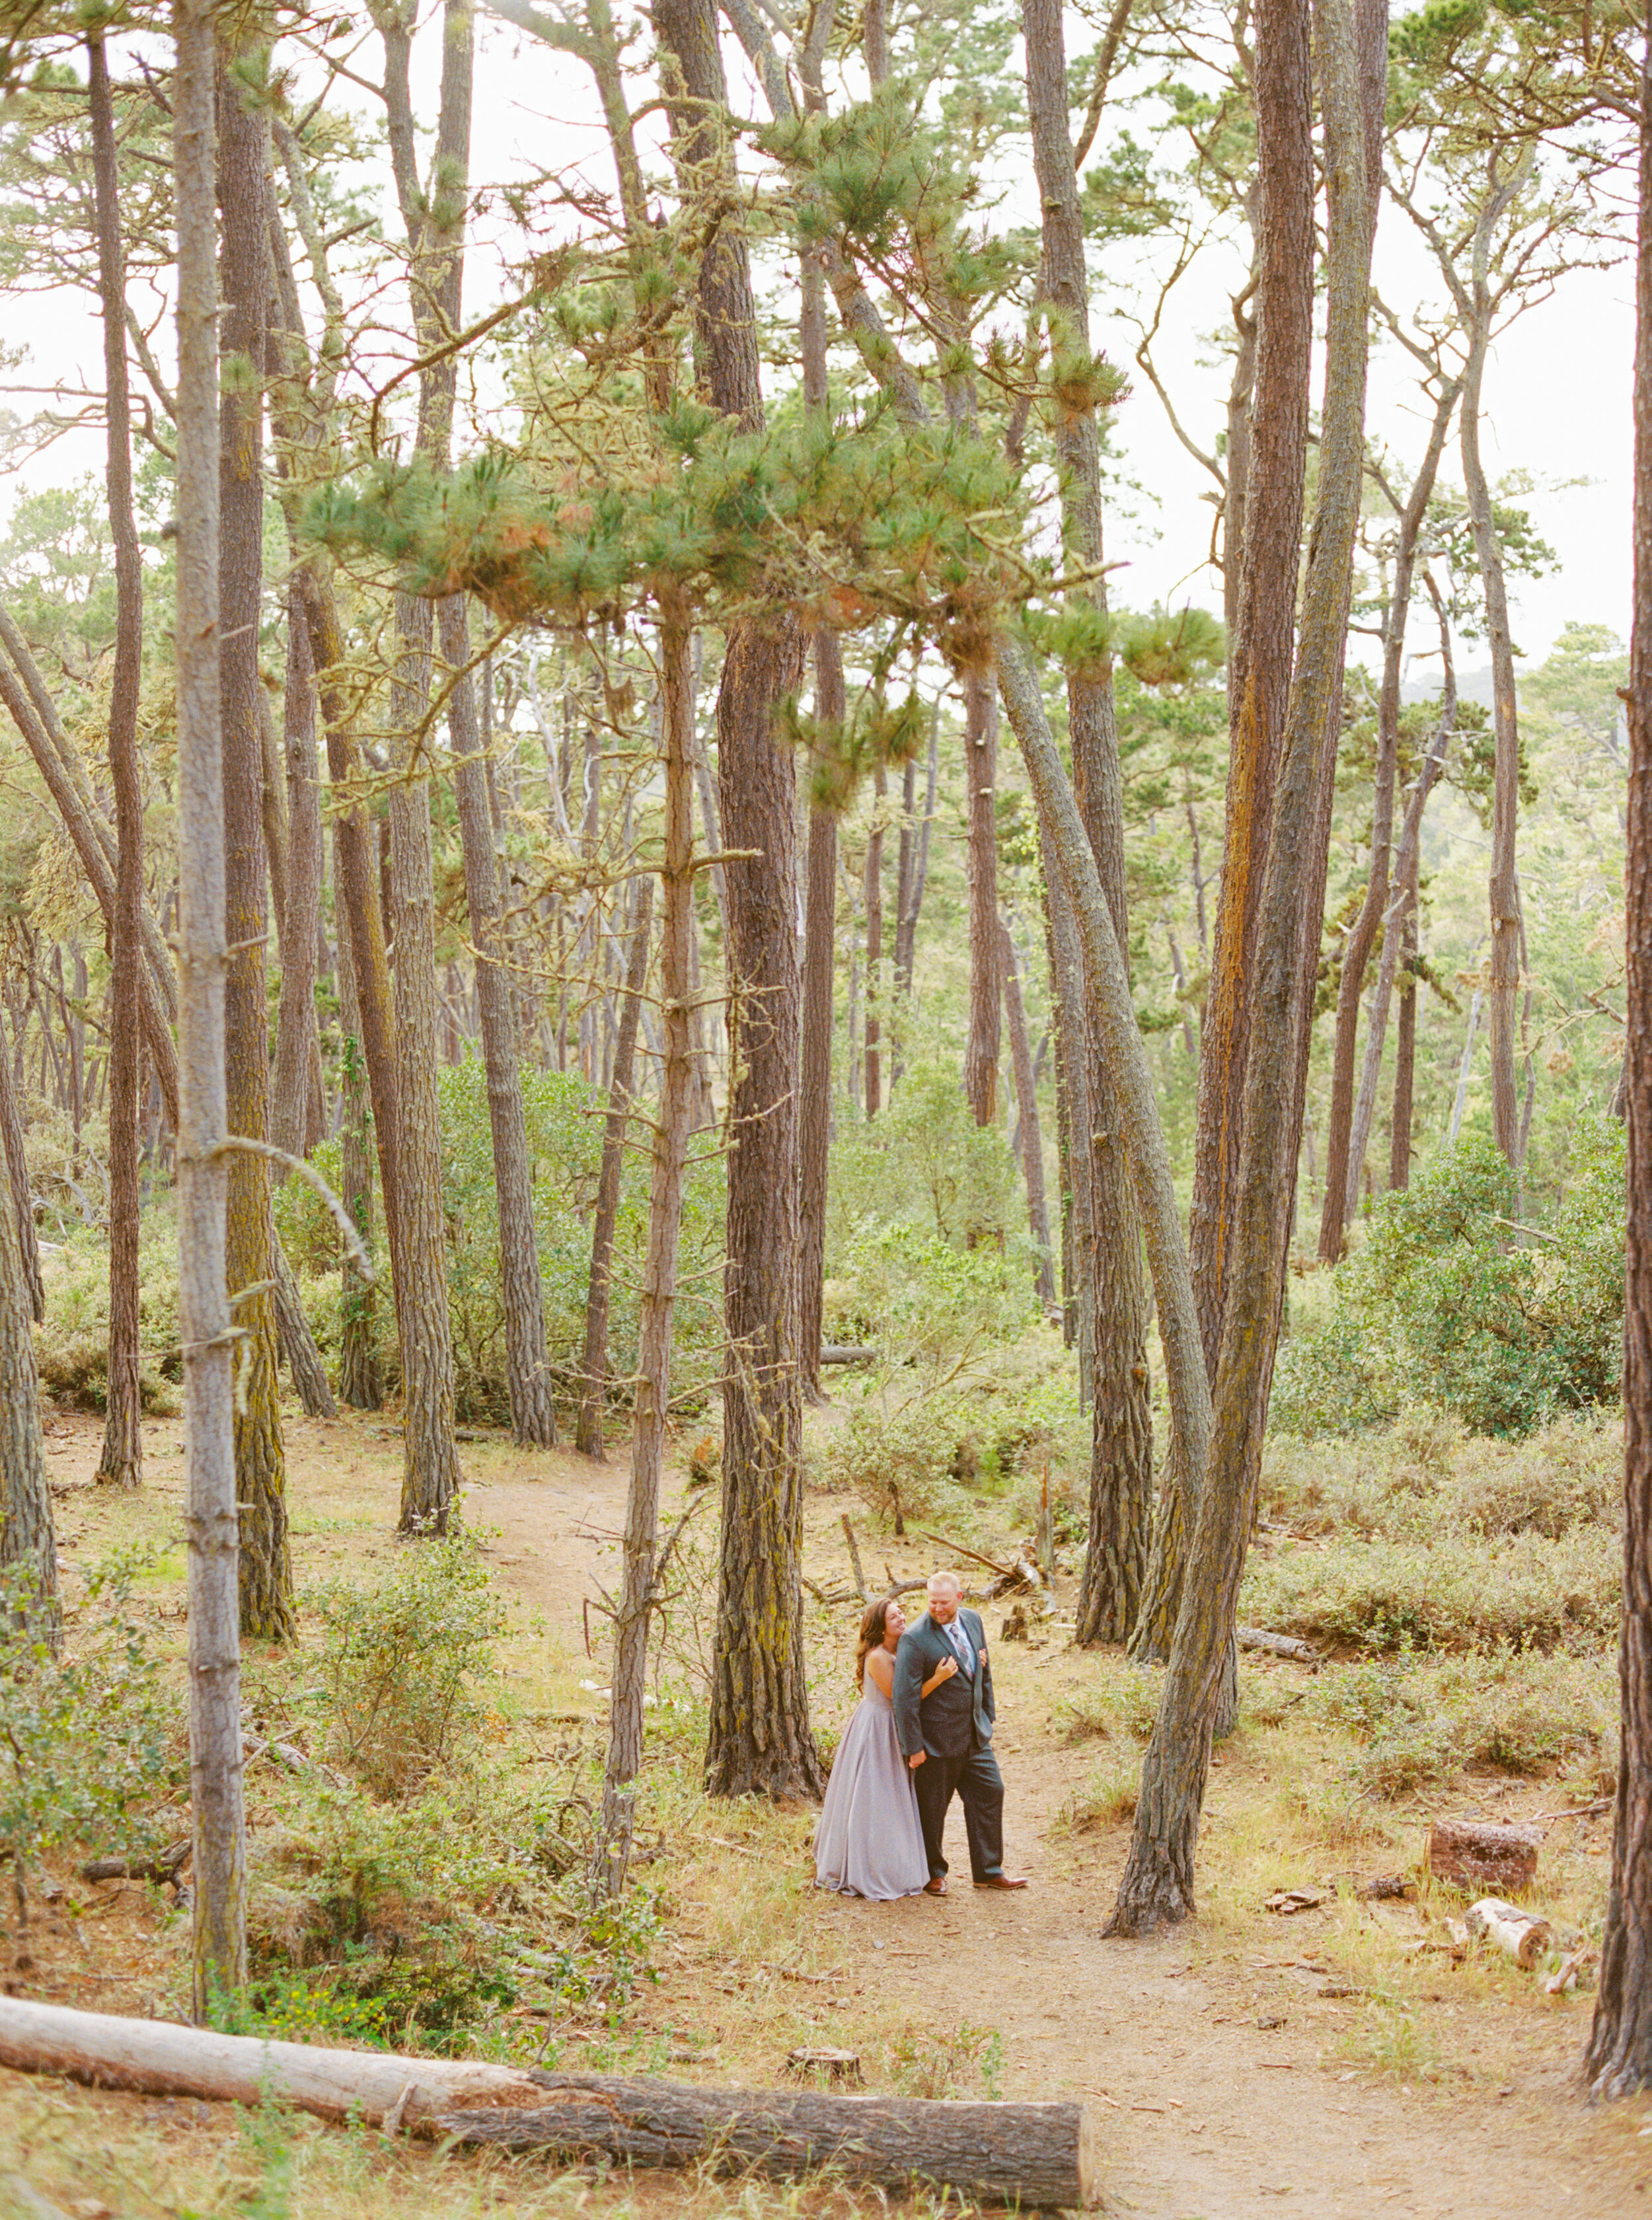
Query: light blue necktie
point(960, 1641)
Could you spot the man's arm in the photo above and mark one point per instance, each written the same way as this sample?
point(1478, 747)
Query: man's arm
point(908, 1687)
point(990, 1709)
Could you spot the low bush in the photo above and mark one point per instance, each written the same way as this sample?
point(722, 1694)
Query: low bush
point(1456, 1594)
point(1447, 1303)
point(1120, 1701)
point(91, 1738)
point(399, 1662)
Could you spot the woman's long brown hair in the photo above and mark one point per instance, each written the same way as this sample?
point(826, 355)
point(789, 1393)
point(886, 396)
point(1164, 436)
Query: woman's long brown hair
point(872, 1630)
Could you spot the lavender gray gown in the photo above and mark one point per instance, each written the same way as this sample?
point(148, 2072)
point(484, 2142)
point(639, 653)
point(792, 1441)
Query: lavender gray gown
point(869, 1842)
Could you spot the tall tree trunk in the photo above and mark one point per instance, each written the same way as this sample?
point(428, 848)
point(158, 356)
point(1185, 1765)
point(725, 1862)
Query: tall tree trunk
point(300, 934)
point(638, 1595)
point(1407, 858)
point(1503, 979)
point(119, 1461)
point(1121, 1457)
point(435, 224)
point(216, 1808)
point(1405, 1047)
point(1259, 666)
point(1619, 2059)
point(265, 1558)
point(1027, 1111)
point(28, 1542)
point(1259, 679)
point(532, 1409)
point(875, 943)
point(980, 826)
point(358, 1381)
point(819, 923)
point(23, 1203)
point(1157, 1882)
point(1341, 1171)
point(759, 1734)
point(594, 1370)
point(906, 932)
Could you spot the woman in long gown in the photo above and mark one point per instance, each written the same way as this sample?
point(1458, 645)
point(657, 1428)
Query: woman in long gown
point(869, 1842)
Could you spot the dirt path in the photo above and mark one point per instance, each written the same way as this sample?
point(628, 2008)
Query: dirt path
point(1215, 2067)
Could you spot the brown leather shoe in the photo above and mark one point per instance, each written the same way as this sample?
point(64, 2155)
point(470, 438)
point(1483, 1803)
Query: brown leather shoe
point(937, 1886)
point(1002, 1880)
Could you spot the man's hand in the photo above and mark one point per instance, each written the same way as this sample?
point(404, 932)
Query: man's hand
point(917, 1759)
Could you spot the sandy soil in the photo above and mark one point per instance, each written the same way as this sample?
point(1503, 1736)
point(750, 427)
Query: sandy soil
point(1213, 2061)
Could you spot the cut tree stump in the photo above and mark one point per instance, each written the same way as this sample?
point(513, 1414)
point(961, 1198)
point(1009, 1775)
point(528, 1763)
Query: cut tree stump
point(1519, 1934)
point(1475, 1855)
point(1039, 2156)
point(1035, 2155)
point(841, 2066)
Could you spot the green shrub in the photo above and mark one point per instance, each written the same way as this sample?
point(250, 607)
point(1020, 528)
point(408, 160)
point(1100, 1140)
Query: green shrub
point(400, 1661)
point(90, 1738)
point(1120, 1701)
point(1440, 1305)
point(71, 1345)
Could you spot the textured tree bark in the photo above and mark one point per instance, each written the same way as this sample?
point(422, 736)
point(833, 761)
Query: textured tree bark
point(1121, 1452)
point(820, 919)
point(638, 1593)
point(1503, 979)
point(358, 1381)
point(1033, 2157)
point(265, 1559)
point(1400, 926)
point(1259, 666)
point(981, 827)
point(1027, 1107)
point(28, 1247)
point(296, 1015)
point(1405, 1044)
point(435, 224)
point(217, 1814)
point(875, 945)
point(1157, 1883)
point(1619, 2059)
point(430, 1468)
point(119, 1461)
point(593, 1369)
point(759, 1734)
point(532, 1408)
point(27, 1542)
point(1342, 1169)
point(906, 932)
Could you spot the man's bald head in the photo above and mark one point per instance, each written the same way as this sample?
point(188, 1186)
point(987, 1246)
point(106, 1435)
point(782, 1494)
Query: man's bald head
point(944, 1591)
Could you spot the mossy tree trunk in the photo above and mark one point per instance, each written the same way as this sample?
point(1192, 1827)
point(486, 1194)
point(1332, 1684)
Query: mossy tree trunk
point(759, 1736)
point(593, 1369)
point(1618, 2061)
point(1157, 1883)
point(266, 1560)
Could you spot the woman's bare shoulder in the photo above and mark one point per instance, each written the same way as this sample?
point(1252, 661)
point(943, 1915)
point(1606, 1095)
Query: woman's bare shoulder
point(881, 1666)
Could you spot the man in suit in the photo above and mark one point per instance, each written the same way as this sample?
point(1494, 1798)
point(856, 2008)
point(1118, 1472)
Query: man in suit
point(946, 1737)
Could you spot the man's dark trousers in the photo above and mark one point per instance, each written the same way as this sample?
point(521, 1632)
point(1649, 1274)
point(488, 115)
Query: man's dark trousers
point(974, 1778)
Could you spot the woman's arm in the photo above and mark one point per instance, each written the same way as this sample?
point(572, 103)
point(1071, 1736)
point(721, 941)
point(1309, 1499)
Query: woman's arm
point(880, 1667)
point(944, 1671)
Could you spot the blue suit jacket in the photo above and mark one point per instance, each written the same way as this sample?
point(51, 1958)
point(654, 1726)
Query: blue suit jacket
point(937, 1722)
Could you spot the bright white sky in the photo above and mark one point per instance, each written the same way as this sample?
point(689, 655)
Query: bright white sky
point(1557, 388)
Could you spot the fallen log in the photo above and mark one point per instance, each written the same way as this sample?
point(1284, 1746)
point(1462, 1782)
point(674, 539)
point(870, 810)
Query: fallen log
point(1037, 2156)
point(1519, 1934)
point(1276, 1645)
point(1472, 1854)
point(164, 1866)
point(839, 1352)
point(164, 2059)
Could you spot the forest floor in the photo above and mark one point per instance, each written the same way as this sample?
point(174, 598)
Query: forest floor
point(1342, 2062)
